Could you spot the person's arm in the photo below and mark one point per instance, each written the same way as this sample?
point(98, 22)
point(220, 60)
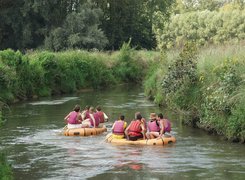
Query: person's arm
point(79, 118)
point(105, 117)
point(162, 128)
point(126, 130)
point(92, 116)
point(143, 130)
point(66, 118)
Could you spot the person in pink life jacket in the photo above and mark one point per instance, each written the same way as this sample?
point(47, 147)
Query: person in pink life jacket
point(165, 124)
point(102, 116)
point(85, 113)
point(118, 128)
point(93, 120)
point(74, 118)
point(153, 127)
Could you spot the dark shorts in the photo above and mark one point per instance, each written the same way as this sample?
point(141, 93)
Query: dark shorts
point(135, 138)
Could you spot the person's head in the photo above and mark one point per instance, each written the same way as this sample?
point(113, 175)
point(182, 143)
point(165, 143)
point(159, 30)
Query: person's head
point(98, 108)
point(138, 117)
point(160, 115)
point(91, 109)
point(87, 107)
point(153, 116)
point(122, 117)
point(77, 108)
point(137, 113)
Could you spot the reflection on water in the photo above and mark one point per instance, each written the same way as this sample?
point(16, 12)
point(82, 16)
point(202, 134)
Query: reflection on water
point(54, 102)
point(37, 150)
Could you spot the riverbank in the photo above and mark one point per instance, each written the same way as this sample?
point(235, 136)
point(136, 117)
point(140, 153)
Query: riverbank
point(205, 86)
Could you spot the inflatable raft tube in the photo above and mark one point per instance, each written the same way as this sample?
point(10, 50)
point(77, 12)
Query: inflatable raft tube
point(84, 131)
point(151, 142)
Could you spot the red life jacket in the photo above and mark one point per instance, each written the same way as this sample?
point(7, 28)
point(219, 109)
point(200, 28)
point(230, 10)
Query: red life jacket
point(101, 116)
point(119, 128)
point(153, 127)
point(135, 128)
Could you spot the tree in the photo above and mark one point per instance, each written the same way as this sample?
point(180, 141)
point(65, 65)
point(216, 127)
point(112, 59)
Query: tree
point(79, 30)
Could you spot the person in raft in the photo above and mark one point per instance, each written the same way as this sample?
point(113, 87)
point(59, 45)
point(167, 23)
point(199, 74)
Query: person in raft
point(153, 127)
point(118, 128)
point(136, 129)
point(74, 118)
point(102, 116)
point(93, 121)
point(142, 120)
point(85, 113)
point(164, 124)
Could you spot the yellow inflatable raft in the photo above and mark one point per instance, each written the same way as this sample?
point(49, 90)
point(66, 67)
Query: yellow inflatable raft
point(167, 139)
point(84, 131)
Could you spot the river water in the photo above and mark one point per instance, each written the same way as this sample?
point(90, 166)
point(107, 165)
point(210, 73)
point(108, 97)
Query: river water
point(36, 149)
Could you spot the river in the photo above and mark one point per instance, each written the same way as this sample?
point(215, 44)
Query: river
point(32, 141)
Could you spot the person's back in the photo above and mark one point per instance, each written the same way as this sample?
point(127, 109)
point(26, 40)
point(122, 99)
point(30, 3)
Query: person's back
point(96, 118)
point(167, 125)
point(74, 118)
point(118, 128)
point(136, 129)
point(153, 127)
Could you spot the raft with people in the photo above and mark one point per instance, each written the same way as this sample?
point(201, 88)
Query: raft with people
point(84, 131)
point(161, 141)
point(86, 123)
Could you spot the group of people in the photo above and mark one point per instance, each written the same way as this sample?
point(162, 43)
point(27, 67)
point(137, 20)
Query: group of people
point(89, 117)
point(137, 129)
point(140, 129)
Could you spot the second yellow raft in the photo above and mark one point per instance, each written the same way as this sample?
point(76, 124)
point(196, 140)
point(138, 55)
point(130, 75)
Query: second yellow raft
point(152, 142)
point(84, 131)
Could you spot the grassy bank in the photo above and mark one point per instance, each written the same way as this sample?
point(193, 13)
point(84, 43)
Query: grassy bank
point(206, 86)
point(37, 74)
point(5, 168)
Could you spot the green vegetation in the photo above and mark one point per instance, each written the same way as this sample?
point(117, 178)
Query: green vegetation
point(198, 72)
point(48, 73)
point(5, 168)
point(206, 86)
point(203, 22)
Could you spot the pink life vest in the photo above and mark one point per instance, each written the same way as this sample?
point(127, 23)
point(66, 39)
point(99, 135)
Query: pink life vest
point(73, 118)
point(153, 127)
point(101, 116)
point(87, 116)
point(119, 128)
point(167, 128)
point(96, 118)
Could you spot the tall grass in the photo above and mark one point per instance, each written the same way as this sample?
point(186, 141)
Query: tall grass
point(209, 94)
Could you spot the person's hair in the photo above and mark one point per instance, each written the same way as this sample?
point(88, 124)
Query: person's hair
point(91, 108)
point(98, 108)
point(160, 115)
point(122, 117)
point(87, 107)
point(76, 108)
point(137, 113)
point(138, 116)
